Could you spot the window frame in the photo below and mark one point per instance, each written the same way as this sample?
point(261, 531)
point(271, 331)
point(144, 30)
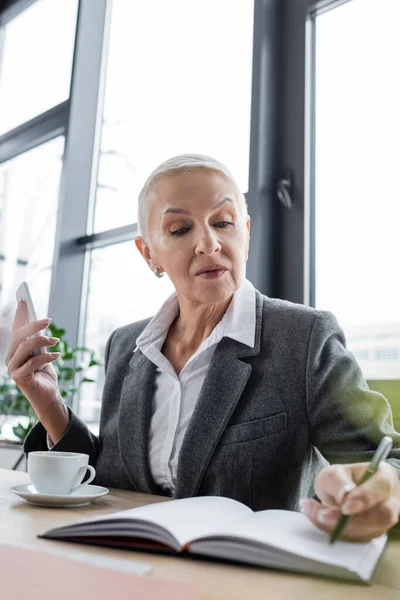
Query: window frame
point(388, 387)
point(309, 232)
point(43, 128)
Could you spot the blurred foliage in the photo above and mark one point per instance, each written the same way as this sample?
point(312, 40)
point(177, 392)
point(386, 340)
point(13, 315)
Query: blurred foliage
point(71, 368)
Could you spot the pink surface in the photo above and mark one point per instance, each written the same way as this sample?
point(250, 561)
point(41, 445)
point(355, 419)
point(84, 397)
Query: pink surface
point(33, 575)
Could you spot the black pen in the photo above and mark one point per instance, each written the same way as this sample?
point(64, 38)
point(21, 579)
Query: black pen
point(381, 453)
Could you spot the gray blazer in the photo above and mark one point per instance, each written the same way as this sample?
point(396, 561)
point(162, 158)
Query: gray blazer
point(267, 420)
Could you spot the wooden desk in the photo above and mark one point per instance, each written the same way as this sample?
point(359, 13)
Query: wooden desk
point(21, 522)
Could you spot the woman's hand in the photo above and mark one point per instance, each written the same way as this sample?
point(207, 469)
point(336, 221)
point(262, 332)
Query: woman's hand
point(374, 506)
point(39, 386)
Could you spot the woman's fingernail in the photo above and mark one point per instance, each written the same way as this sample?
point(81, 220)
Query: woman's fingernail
point(352, 507)
point(326, 517)
point(304, 506)
point(346, 488)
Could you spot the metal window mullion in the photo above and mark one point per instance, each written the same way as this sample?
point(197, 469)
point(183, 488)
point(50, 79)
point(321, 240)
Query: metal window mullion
point(79, 171)
point(14, 9)
point(262, 201)
point(309, 164)
point(2, 40)
point(38, 130)
point(118, 235)
point(324, 6)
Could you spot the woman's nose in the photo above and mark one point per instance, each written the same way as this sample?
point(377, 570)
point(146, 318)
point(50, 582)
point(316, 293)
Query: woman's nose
point(207, 243)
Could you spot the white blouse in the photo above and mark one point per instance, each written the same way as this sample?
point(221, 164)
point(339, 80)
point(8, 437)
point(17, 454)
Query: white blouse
point(175, 396)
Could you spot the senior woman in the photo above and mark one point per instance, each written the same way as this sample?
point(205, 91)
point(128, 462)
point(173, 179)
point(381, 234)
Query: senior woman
point(224, 391)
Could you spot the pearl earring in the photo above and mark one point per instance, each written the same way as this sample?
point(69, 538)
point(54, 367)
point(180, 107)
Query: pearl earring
point(157, 273)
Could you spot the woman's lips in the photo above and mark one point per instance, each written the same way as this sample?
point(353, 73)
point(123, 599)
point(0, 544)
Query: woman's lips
point(214, 274)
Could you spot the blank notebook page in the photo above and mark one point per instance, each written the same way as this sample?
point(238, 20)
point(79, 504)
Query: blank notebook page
point(187, 518)
point(293, 532)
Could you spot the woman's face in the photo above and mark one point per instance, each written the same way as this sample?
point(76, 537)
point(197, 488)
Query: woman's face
point(197, 235)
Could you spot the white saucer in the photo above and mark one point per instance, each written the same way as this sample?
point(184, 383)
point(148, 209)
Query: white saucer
point(80, 497)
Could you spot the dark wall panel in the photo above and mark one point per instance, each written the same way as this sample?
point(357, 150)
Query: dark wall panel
point(262, 268)
point(291, 147)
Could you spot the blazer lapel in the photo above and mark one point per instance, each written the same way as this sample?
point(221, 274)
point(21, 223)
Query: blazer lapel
point(220, 393)
point(134, 421)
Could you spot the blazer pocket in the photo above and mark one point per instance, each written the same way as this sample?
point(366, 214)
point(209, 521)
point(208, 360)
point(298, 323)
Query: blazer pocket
point(252, 430)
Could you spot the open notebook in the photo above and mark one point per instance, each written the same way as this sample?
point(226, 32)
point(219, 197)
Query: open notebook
point(214, 526)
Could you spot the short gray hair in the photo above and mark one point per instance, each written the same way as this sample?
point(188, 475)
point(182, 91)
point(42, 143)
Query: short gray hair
point(183, 163)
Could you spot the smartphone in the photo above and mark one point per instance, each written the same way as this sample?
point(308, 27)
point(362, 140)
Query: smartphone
point(24, 293)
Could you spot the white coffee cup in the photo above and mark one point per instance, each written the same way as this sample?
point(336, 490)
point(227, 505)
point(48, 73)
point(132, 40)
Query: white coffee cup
point(58, 472)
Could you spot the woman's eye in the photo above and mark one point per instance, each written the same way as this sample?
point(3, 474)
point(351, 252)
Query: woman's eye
point(180, 231)
point(222, 224)
point(183, 230)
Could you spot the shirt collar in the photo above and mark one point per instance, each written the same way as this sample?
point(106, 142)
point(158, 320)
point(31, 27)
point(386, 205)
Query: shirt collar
point(241, 315)
point(238, 323)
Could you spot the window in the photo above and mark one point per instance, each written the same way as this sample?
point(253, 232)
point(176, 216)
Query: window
point(388, 354)
point(185, 87)
point(36, 52)
point(36, 63)
point(28, 215)
point(356, 206)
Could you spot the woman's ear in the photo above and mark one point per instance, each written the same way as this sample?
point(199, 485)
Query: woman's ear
point(143, 249)
point(247, 236)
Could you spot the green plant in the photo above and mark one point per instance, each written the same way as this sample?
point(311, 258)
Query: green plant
point(70, 378)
